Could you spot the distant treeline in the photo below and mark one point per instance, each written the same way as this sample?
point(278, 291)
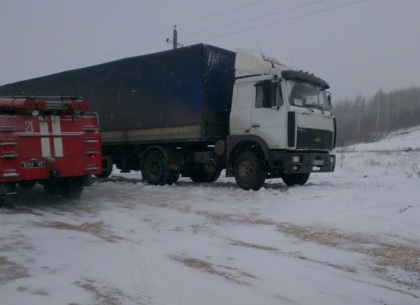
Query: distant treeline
point(367, 120)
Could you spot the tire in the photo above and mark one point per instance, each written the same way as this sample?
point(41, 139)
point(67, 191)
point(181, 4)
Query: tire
point(173, 176)
point(249, 171)
point(104, 175)
point(107, 166)
point(155, 170)
point(72, 188)
point(26, 184)
point(48, 189)
point(293, 179)
point(200, 175)
point(215, 176)
point(73, 192)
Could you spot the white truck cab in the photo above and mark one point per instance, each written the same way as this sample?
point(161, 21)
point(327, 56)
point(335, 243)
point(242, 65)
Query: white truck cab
point(284, 116)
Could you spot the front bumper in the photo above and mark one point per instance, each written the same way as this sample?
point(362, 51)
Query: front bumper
point(303, 162)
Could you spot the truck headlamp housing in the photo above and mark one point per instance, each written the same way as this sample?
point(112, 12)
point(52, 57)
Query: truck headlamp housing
point(332, 159)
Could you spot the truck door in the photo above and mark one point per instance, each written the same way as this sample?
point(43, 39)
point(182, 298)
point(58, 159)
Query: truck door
point(242, 103)
point(268, 117)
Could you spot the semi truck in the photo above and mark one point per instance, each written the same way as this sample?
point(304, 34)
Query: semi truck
point(198, 110)
point(52, 141)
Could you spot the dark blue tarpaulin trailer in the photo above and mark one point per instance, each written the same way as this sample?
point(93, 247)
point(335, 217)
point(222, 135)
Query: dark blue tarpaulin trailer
point(183, 94)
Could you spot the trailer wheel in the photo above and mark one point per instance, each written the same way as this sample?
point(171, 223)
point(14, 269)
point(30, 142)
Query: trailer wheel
point(293, 179)
point(154, 170)
point(249, 171)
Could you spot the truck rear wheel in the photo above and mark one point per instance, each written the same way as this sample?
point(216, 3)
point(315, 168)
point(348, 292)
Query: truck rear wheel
point(249, 171)
point(173, 176)
point(200, 175)
point(26, 184)
point(154, 170)
point(293, 179)
point(72, 188)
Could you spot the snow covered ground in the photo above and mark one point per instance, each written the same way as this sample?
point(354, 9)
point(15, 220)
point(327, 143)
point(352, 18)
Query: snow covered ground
point(349, 237)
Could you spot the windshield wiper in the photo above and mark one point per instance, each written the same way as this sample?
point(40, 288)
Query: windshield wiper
point(304, 107)
point(319, 107)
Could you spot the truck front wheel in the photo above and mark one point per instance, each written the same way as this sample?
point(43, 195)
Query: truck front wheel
point(249, 171)
point(154, 170)
point(292, 179)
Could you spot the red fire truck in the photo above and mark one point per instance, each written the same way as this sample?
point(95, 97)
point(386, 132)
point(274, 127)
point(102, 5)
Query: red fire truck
point(53, 141)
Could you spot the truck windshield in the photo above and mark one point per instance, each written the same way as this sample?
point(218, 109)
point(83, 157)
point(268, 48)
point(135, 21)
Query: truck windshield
point(307, 95)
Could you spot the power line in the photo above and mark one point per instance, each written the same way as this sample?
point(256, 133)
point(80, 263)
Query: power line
point(275, 22)
point(129, 45)
point(152, 46)
point(168, 29)
point(220, 13)
point(254, 18)
point(225, 34)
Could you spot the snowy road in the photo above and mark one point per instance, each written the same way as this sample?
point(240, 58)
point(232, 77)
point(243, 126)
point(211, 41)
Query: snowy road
point(350, 237)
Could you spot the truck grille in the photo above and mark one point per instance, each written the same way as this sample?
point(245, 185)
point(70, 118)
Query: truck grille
point(314, 139)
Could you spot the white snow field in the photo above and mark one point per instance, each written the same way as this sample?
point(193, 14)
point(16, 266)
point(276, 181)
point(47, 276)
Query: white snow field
point(348, 237)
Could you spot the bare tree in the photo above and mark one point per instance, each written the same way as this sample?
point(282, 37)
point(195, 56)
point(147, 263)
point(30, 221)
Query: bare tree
point(362, 120)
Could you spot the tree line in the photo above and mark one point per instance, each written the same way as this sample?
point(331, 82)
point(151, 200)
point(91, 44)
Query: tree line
point(367, 120)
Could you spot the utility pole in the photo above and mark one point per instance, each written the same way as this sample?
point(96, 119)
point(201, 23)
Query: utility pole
point(175, 38)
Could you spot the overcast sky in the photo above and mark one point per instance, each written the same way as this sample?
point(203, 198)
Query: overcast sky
point(357, 46)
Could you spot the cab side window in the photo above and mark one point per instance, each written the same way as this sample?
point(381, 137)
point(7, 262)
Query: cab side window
point(261, 102)
point(259, 97)
point(279, 96)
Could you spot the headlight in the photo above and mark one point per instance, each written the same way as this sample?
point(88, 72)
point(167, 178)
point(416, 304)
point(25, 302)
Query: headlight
point(332, 159)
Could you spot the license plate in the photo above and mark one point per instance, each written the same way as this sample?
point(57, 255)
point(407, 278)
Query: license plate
point(32, 164)
point(318, 162)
